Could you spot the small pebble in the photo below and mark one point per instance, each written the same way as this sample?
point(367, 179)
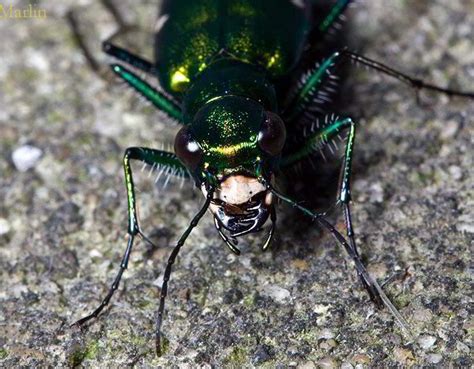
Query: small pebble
point(403, 356)
point(37, 59)
point(277, 293)
point(465, 223)
point(434, 358)
point(426, 342)
point(326, 334)
point(455, 172)
point(321, 309)
point(95, 254)
point(133, 121)
point(307, 365)
point(469, 324)
point(328, 344)
point(361, 359)
point(4, 226)
point(347, 366)
point(376, 193)
point(422, 315)
point(462, 347)
point(451, 128)
point(26, 157)
point(158, 282)
point(327, 362)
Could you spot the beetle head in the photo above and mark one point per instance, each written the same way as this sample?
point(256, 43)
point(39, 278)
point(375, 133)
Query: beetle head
point(233, 144)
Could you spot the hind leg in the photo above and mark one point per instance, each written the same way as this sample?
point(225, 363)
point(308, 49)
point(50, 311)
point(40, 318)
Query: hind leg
point(72, 18)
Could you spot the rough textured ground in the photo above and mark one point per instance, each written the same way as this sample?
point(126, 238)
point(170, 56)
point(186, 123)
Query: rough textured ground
point(62, 222)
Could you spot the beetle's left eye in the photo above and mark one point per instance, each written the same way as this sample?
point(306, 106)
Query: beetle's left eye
point(187, 149)
point(272, 135)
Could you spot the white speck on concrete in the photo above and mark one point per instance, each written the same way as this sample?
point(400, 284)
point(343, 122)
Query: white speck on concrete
point(277, 293)
point(158, 282)
point(4, 226)
point(307, 365)
point(426, 342)
point(327, 362)
point(26, 157)
point(376, 193)
point(434, 358)
point(450, 129)
point(462, 347)
point(326, 334)
point(95, 254)
point(455, 172)
point(321, 309)
point(37, 59)
point(465, 223)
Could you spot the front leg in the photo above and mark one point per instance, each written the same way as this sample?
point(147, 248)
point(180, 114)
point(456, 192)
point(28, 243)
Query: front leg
point(316, 141)
point(153, 158)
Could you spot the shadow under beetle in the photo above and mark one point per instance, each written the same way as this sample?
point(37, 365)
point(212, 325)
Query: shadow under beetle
point(220, 65)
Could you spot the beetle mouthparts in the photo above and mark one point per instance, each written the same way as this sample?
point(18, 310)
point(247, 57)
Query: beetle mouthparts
point(241, 219)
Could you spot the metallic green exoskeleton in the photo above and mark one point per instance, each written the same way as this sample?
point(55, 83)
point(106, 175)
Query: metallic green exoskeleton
point(220, 64)
point(267, 35)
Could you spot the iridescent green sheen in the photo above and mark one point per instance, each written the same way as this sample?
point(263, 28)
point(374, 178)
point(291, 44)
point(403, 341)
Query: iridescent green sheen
point(147, 91)
point(223, 65)
point(227, 128)
point(265, 33)
point(222, 57)
point(229, 77)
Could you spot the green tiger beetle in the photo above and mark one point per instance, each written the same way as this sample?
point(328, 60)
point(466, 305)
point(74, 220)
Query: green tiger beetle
point(220, 64)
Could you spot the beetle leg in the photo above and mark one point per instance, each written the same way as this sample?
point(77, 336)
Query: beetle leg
point(118, 52)
point(231, 243)
point(119, 19)
point(344, 197)
point(72, 19)
point(317, 140)
point(128, 57)
point(157, 98)
point(150, 157)
point(336, 11)
point(169, 265)
point(316, 87)
point(417, 84)
point(361, 270)
point(268, 241)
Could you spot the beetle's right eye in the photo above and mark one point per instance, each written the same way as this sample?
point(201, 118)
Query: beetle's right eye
point(187, 149)
point(272, 136)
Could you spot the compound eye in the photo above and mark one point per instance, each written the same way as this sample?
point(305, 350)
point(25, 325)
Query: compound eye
point(187, 149)
point(272, 135)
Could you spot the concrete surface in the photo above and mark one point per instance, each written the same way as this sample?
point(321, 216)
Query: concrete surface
point(63, 214)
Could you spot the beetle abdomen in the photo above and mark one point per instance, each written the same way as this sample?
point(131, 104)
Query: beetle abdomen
point(268, 33)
